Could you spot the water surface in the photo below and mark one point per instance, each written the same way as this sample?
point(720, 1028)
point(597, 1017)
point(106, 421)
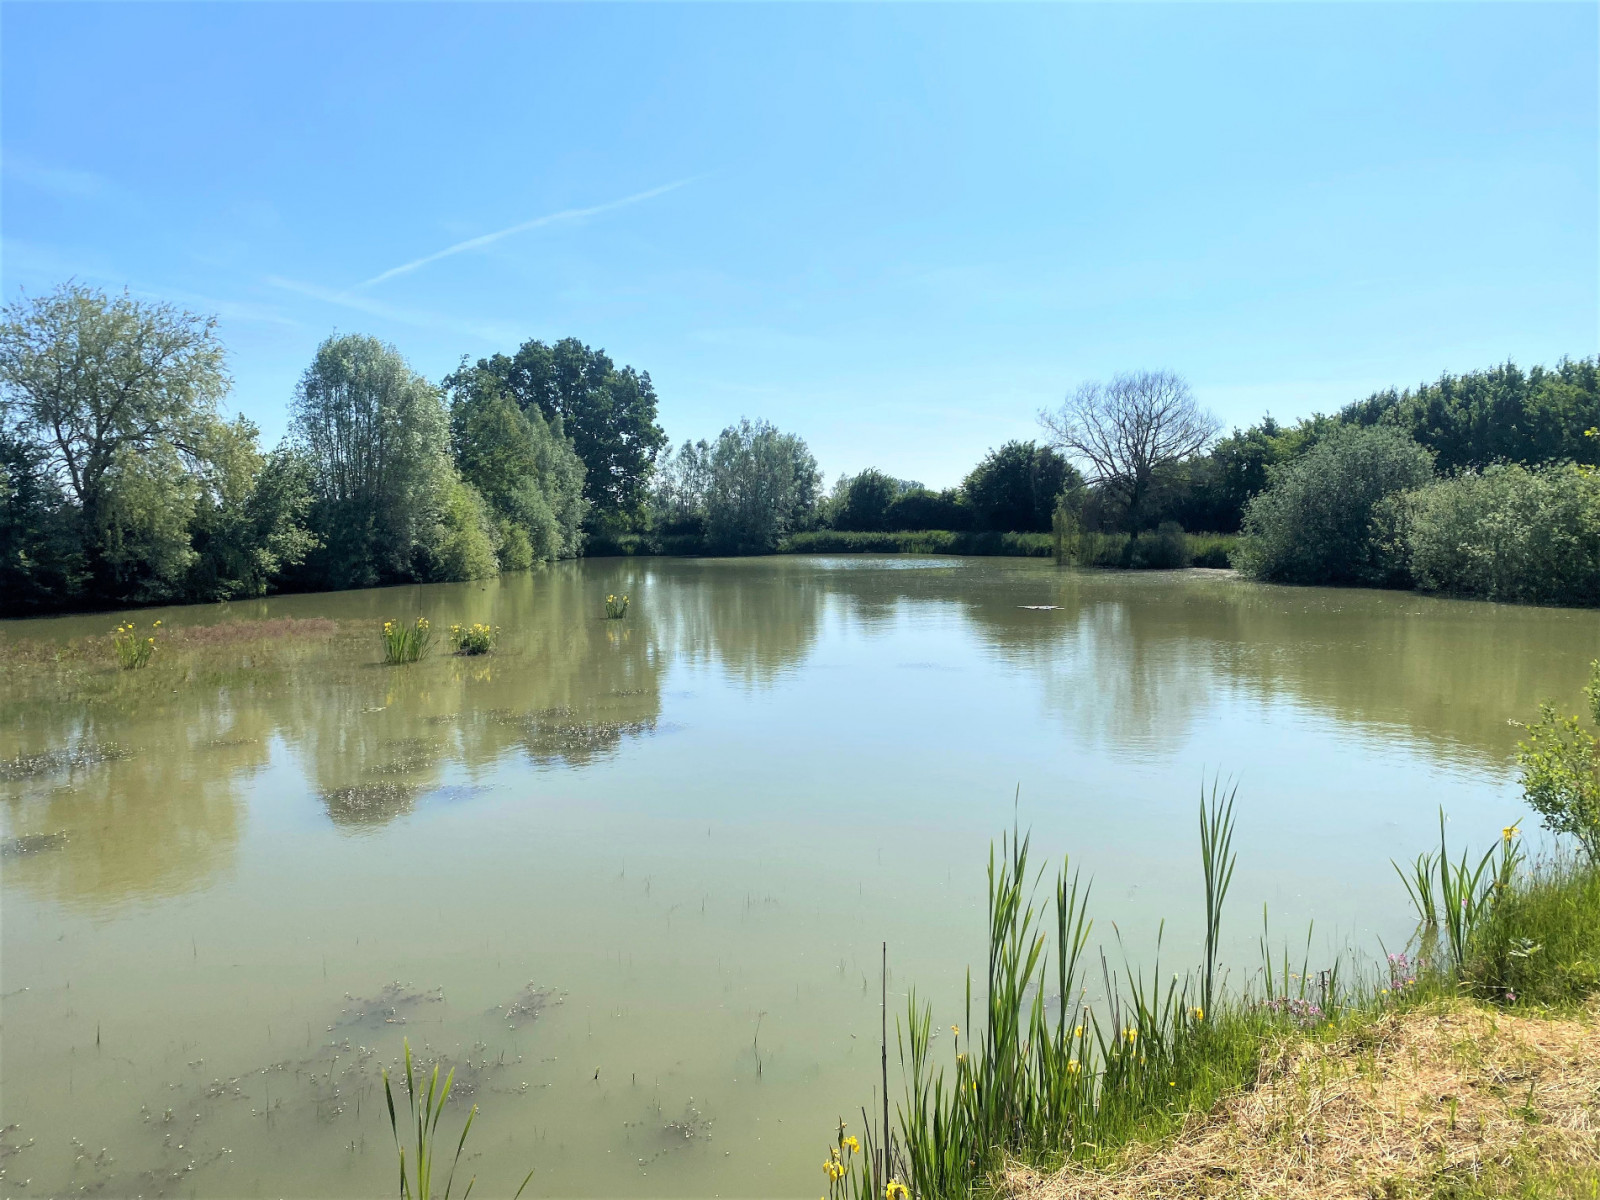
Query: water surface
point(631, 877)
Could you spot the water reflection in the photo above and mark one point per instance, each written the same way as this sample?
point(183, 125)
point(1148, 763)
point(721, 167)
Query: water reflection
point(1128, 663)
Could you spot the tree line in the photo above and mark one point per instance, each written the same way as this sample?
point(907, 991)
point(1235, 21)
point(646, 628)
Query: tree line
point(121, 482)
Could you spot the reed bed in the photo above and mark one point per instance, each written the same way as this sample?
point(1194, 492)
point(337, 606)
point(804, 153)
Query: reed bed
point(1049, 1078)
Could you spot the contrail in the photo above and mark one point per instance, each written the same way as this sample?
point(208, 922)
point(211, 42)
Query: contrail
point(570, 214)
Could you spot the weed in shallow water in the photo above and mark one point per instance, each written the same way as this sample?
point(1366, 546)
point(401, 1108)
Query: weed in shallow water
point(406, 644)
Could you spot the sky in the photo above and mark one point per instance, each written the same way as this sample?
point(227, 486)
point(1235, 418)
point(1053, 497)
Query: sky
point(897, 230)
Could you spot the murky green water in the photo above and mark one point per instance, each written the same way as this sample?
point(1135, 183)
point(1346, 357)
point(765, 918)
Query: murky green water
point(688, 831)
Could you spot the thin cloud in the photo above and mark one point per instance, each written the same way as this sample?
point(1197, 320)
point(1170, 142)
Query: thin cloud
point(570, 214)
point(58, 181)
point(388, 312)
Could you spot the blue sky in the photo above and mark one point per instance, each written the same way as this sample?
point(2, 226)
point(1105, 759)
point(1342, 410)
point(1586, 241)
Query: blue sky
point(896, 230)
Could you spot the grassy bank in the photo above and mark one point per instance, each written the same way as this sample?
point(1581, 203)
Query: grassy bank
point(1168, 1084)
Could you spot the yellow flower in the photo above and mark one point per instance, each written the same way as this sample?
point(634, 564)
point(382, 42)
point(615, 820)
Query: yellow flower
point(1199, 1014)
point(956, 1029)
point(1073, 1066)
point(1078, 1032)
point(1510, 831)
point(1131, 1034)
point(851, 1144)
point(896, 1191)
point(961, 1058)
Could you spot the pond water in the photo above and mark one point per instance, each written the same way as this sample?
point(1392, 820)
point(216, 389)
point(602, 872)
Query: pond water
point(632, 877)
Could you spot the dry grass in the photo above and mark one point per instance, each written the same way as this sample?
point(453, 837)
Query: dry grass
point(1419, 1103)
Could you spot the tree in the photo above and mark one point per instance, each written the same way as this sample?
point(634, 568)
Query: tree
point(682, 485)
point(609, 413)
point(250, 522)
point(524, 467)
point(1320, 518)
point(1126, 430)
point(861, 502)
point(120, 397)
point(761, 485)
point(920, 508)
point(41, 561)
point(1015, 487)
point(377, 439)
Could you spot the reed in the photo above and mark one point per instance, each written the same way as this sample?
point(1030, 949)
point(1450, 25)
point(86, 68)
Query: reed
point(616, 607)
point(426, 1107)
point(1455, 896)
point(132, 650)
point(406, 644)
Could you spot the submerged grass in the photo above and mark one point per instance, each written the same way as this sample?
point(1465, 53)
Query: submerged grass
point(1151, 1055)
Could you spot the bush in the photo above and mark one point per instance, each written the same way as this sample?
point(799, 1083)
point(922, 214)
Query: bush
point(1211, 549)
point(1508, 533)
point(1321, 518)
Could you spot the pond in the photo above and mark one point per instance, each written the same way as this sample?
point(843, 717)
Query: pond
point(631, 878)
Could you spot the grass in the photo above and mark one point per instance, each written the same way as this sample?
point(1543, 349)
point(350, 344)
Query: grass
point(132, 650)
point(1078, 1086)
point(406, 644)
point(469, 640)
point(1150, 550)
point(426, 1107)
point(616, 607)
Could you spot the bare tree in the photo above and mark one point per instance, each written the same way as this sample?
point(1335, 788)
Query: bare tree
point(1125, 430)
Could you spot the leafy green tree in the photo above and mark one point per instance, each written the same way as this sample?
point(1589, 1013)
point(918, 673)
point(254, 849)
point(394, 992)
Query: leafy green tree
point(761, 484)
point(608, 412)
point(377, 439)
point(1498, 415)
point(861, 502)
point(682, 485)
point(1560, 764)
point(523, 466)
point(41, 559)
point(921, 508)
point(1318, 521)
point(250, 524)
point(1015, 487)
point(120, 397)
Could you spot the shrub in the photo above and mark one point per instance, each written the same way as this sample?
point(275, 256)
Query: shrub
point(1320, 519)
point(1560, 764)
point(1508, 533)
point(1164, 550)
point(1211, 549)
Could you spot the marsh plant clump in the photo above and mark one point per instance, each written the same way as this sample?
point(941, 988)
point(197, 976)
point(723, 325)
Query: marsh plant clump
point(406, 643)
point(132, 650)
point(1049, 1077)
point(469, 640)
point(616, 607)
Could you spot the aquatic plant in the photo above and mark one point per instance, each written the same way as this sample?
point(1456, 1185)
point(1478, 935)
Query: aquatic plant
point(416, 1180)
point(1456, 896)
point(616, 607)
point(132, 650)
point(406, 644)
point(473, 639)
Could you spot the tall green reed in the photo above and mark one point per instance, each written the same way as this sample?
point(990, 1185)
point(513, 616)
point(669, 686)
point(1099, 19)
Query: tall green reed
point(426, 1107)
point(406, 644)
point(1455, 896)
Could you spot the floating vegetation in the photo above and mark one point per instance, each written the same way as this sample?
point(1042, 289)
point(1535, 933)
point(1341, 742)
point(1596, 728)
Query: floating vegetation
point(527, 1004)
point(369, 803)
point(406, 644)
point(691, 1125)
point(132, 650)
point(473, 639)
point(616, 607)
point(232, 743)
point(48, 762)
point(32, 843)
point(411, 754)
point(559, 734)
point(391, 1006)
